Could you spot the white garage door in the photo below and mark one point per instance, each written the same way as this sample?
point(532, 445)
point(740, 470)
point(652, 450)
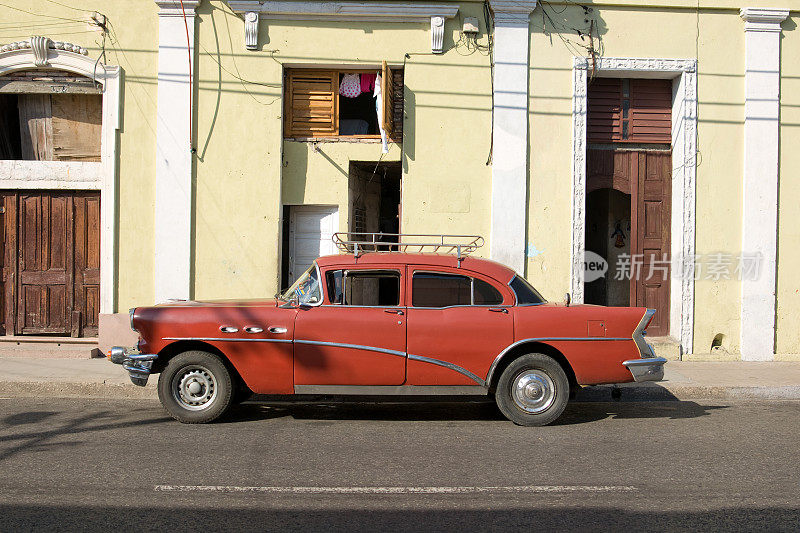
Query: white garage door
point(310, 230)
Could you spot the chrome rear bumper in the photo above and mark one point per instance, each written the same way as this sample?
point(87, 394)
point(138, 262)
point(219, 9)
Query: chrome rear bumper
point(651, 369)
point(137, 364)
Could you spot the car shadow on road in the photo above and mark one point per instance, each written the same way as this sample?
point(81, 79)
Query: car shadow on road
point(477, 410)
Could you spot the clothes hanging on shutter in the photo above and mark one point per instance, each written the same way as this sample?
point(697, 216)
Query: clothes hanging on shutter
point(368, 83)
point(350, 86)
point(379, 109)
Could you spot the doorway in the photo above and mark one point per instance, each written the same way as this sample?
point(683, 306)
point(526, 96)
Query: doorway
point(50, 262)
point(307, 234)
point(628, 194)
point(375, 190)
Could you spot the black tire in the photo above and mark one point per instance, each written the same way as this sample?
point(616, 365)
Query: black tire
point(195, 387)
point(533, 390)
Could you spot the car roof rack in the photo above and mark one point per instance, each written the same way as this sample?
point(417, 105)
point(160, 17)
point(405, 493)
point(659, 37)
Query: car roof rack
point(358, 243)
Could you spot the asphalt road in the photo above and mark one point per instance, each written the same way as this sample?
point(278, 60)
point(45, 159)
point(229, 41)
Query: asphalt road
point(100, 465)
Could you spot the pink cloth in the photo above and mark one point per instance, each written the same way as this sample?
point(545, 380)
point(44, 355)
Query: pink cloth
point(367, 82)
point(350, 86)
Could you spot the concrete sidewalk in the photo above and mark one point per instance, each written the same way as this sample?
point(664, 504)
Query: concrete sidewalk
point(98, 378)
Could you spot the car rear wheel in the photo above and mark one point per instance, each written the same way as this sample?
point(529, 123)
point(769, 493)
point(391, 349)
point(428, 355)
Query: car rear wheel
point(533, 390)
point(195, 387)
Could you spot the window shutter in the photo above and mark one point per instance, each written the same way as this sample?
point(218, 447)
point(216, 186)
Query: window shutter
point(605, 108)
point(386, 93)
point(312, 103)
point(398, 100)
point(651, 111)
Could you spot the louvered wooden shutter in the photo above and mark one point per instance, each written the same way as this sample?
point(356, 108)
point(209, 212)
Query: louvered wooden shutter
point(649, 118)
point(386, 93)
point(398, 100)
point(605, 110)
point(651, 111)
point(312, 105)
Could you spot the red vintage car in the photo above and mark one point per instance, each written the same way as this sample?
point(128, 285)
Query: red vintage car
point(389, 323)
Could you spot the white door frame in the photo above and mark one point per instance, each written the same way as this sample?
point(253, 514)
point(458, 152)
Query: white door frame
point(683, 72)
point(102, 176)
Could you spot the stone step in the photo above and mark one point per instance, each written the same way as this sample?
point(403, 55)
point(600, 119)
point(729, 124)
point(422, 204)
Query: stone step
point(49, 347)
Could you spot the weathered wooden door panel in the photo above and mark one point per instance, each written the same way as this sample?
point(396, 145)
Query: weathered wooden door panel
point(651, 237)
point(87, 262)
point(45, 263)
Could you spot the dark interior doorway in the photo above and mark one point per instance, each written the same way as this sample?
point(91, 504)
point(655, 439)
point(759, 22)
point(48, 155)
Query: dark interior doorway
point(375, 197)
point(608, 229)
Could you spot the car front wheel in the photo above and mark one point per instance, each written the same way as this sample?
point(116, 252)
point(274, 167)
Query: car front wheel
point(195, 387)
point(533, 390)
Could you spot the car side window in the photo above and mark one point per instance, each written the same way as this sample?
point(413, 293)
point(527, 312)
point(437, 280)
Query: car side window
point(373, 288)
point(440, 290)
point(485, 294)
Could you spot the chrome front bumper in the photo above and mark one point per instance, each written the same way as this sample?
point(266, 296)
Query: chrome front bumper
point(137, 364)
point(651, 369)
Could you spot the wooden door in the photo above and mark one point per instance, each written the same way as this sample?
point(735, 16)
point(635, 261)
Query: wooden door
point(51, 262)
point(45, 260)
point(650, 225)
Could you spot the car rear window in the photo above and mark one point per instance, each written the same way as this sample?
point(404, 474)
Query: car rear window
point(526, 294)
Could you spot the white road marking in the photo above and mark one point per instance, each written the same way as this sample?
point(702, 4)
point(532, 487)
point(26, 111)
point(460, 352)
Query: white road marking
point(397, 490)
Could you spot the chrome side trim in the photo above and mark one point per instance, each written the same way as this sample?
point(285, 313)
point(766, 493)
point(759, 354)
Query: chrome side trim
point(392, 390)
point(353, 346)
point(451, 366)
point(645, 350)
point(497, 359)
point(651, 369)
point(220, 339)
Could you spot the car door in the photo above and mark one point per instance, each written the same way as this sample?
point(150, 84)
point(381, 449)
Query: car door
point(358, 335)
point(457, 324)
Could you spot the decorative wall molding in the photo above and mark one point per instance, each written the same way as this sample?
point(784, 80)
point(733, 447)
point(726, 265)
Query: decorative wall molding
point(344, 11)
point(40, 46)
point(79, 175)
point(762, 79)
point(173, 190)
point(763, 19)
point(512, 11)
point(437, 34)
point(684, 176)
point(251, 30)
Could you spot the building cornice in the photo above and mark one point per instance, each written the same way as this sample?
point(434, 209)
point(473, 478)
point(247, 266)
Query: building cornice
point(763, 19)
point(343, 11)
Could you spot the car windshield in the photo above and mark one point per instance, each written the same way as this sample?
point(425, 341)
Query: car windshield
point(306, 289)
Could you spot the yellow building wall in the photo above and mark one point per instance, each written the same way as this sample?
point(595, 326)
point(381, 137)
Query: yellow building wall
point(132, 44)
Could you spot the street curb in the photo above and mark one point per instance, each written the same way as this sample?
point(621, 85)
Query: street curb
point(600, 393)
point(669, 392)
point(65, 389)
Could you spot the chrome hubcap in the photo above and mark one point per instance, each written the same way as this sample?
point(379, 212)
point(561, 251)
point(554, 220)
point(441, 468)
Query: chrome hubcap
point(533, 391)
point(194, 388)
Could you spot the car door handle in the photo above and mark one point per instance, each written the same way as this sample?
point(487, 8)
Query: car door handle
point(253, 329)
point(276, 329)
point(394, 311)
point(499, 310)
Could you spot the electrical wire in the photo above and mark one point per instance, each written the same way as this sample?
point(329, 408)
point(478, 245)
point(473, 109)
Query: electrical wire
point(71, 7)
point(39, 14)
